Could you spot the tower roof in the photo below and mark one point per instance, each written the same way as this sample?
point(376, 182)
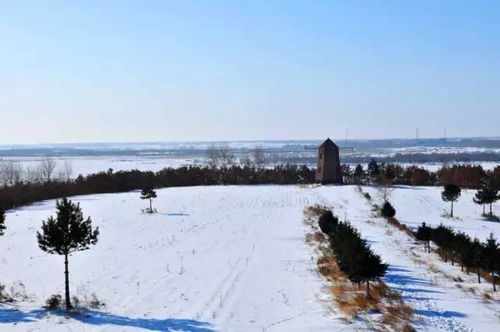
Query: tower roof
point(328, 142)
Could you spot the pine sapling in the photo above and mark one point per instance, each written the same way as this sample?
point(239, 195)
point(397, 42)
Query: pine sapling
point(65, 234)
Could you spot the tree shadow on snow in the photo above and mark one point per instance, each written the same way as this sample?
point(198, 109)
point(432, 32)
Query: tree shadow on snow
point(15, 316)
point(402, 279)
point(444, 314)
point(407, 284)
point(98, 318)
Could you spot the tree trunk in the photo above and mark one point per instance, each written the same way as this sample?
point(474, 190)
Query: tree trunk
point(484, 208)
point(66, 283)
point(491, 211)
point(493, 278)
point(452, 209)
point(150, 205)
point(478, 275)
point(368, 289)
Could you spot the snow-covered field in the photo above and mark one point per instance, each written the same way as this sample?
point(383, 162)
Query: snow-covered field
point(415, 205)
point(233, 258)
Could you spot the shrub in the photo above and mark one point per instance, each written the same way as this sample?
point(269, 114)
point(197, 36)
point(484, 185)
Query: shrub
point(4, 297)
point(388, 211)
point(94, 302)
point(54, 302)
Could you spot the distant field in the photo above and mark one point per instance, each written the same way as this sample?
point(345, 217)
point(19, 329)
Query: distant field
point(89, 165)
point(96, 157)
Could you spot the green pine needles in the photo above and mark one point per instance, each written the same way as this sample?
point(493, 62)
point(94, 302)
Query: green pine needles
point(67, 233)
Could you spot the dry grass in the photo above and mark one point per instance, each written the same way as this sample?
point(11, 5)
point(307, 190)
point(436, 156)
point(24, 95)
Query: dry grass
point(394, 222)
point(351, 298)
point(315, 210)
point(398, 316)
point(329, 269)
point(316, 237)
point(356, 303)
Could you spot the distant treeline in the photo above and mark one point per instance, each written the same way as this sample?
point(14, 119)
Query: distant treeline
point(26, 192)
point(410, 158)
point(459, 157)
point(465, 176)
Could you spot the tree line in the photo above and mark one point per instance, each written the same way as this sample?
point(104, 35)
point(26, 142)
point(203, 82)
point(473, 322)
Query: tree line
point(16, 192)
point(24, 193)
point(466, 176)
point(47, 169)
point(354, 256)
point(471, 254)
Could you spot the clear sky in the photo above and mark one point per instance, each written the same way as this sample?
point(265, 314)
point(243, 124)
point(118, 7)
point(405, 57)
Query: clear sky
point(96, 71)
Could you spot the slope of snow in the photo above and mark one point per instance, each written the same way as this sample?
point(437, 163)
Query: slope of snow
point(226, 258)
point(425, 282)
point(415, 205)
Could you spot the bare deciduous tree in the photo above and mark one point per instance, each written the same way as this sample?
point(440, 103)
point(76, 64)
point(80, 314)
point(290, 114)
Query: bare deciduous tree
point(33, 174)
point(11, 172)
point(66, 171)
point(47, 167)
point(212, 158)
point(259, 157)
point(385, 191)
point(220, 156)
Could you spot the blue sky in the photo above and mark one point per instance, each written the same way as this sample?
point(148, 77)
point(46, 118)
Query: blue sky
point(87, 71)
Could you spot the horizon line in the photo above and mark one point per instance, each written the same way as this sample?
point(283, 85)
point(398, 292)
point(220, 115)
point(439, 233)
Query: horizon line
point(250, 141)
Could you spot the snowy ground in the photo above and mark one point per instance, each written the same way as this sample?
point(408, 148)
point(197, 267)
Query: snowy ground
point(229, 258)
point(415, 205)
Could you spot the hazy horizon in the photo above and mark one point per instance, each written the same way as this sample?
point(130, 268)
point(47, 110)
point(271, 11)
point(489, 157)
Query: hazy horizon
point(338, 140)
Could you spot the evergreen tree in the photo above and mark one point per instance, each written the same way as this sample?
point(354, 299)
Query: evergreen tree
point(368, 267)
point(358, 173)
point(443, 236)
point(355, 257)
point(491, 257)
point(479, 199)
point(489, 196)
point(477, 257)
point(149, 193)
point(424, 234)
point(373, 169)
point(65, 234)
point(388, 211)
point(389, 174)
point(460, 244)
point(451, 193)
point(2, 221)
point(328, 222)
